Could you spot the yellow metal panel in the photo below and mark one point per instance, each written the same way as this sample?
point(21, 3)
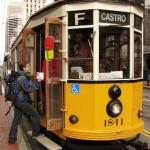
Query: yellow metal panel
point(90, 107)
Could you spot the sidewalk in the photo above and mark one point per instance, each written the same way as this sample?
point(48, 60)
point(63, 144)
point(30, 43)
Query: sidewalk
point(146, 85)
point(5, 124)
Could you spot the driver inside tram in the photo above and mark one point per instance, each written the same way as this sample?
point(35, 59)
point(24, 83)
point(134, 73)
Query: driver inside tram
point(82, 55)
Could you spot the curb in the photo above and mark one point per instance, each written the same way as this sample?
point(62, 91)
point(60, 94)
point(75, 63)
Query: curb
point(21, 143)
point(147, 87)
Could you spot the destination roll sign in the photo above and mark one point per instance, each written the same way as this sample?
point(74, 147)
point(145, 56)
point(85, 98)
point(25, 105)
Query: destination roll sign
point(81, 17)
point(114, 17)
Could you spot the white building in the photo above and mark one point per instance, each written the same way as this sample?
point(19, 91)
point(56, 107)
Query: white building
point(31, 6)
point(49, 1)
point(13, 22)
point(18, 14)
point(147, 3)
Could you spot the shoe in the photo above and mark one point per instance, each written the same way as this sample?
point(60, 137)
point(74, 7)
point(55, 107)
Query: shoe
point(12, 140)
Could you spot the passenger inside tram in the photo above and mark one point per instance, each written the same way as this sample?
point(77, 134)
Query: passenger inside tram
point(109, 64)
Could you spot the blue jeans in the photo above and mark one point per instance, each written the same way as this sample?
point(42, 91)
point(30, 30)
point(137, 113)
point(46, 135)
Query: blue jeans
point(28, 109)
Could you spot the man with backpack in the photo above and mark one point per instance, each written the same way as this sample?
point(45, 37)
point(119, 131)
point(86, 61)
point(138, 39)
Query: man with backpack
point(22, 103)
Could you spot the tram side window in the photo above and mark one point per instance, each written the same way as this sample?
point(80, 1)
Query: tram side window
point(54, 66)
point(30, 40)
point(137, 55)
point(54, 30)
point(114, 53)
point(28, 55)
point(80, 54)
point(29, 48)
point(19, 53)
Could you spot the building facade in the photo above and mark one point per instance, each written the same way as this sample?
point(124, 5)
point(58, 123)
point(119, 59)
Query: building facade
point(14, 26)
point(147, 40)
point(17, 15)
point(13, 23)
point(31, 6)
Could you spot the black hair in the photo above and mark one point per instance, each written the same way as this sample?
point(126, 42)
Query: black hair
point(21, 66)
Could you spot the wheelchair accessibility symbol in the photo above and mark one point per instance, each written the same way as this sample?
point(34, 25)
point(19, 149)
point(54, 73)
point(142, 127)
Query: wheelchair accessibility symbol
point(75, 88)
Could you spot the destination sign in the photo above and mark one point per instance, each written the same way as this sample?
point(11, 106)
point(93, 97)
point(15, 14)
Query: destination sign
point(78, 18)
point(114, 17)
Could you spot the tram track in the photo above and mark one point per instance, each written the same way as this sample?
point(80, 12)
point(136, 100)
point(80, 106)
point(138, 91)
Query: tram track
point(147, 100)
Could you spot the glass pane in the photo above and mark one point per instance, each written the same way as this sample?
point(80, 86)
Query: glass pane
point(54, 65)
point(55, 100)
point(30, 40)
point(114, 53)
point(81, 54)
point(28, 55)
point(137, 55)
point(55, 68)
point(137, 22)
point(19, 53)
point(13, 59)
point(54, 31)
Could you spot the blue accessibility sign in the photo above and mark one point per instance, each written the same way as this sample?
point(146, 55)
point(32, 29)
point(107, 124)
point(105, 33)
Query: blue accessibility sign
point(75, 88)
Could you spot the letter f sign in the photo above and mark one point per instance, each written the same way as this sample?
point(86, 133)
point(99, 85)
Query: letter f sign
point(79, 16)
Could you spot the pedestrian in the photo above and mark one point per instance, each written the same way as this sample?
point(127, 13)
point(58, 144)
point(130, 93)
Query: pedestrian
point(22, 103)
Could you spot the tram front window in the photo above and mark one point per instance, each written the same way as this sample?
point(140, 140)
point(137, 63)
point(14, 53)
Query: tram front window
point(114, 53)
point(80, 54)
point(137, 55)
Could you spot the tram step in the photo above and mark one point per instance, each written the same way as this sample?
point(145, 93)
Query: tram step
point(46, 142)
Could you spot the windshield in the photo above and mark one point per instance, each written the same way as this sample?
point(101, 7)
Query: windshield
point(80, 54)
point(114, 53)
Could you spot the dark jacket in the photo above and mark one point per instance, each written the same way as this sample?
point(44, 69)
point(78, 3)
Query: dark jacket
point(24, 87)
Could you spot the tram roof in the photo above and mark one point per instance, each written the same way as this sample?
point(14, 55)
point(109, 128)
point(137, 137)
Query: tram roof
point(57, 3)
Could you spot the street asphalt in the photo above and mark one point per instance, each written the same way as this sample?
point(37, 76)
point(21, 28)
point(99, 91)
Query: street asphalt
point(146, 109)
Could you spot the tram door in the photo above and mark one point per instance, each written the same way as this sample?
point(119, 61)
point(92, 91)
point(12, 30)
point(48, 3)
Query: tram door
point(53, 72)
point(40, 94)
point(28, 51)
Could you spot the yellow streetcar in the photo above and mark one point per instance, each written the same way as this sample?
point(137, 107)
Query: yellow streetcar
point(91, 55)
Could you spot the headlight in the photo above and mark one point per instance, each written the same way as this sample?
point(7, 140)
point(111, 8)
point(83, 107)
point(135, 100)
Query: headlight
point(114, 92)
point(114, 108)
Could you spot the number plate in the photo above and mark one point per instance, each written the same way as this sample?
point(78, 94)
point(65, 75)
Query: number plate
point(113, 122)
